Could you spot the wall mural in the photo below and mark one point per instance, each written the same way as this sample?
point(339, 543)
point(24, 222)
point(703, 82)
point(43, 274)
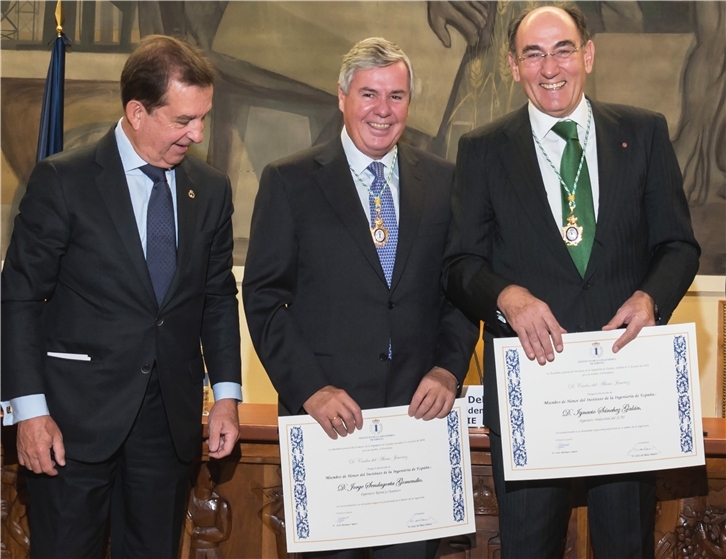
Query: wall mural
point(278, 64)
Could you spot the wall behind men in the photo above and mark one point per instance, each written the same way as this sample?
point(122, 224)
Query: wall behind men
point(276, 92)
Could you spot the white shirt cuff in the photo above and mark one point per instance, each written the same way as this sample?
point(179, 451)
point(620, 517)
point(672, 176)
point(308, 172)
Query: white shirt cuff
point(227, 390)
point(24, 407)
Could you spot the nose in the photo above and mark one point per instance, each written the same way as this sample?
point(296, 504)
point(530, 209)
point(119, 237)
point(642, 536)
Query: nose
point(196, 131)
point(550, 67)
point(383, 108)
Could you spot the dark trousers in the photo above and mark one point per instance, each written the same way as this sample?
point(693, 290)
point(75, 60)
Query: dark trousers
point(412, 550)
point(143, 487)
point(533, 515)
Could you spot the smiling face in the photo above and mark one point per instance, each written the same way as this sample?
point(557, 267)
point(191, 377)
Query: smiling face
point(163, 136)
point(554, 87)
point(375, 108)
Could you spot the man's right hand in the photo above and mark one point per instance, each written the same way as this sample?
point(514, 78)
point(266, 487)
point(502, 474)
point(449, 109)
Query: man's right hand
point(36, 437)
point(337, 413)
point(533, 321)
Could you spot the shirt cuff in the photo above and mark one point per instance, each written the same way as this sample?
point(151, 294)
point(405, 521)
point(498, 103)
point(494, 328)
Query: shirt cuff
point(227, 390)
point(24, 407)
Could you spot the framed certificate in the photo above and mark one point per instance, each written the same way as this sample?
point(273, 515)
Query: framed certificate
point(593, 412)
point(397, 480)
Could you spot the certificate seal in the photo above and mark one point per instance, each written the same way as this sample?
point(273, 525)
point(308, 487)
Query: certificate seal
point(597, 350)
point(376, 427)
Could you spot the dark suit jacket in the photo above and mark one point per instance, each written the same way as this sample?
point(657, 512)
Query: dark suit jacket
point(75, 281)
point(316, 300)
point(504, 231)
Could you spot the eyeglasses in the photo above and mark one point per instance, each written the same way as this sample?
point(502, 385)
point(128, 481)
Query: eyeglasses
point(534, 59)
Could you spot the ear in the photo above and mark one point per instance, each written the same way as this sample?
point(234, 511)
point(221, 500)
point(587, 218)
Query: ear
point(514, 66)
point(589, 56)
point(135, 113)
point(341, 99)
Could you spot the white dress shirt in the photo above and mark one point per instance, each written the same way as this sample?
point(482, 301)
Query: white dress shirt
point(358, 162)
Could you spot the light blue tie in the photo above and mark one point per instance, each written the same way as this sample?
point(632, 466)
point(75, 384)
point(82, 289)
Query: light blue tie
point(386, 253)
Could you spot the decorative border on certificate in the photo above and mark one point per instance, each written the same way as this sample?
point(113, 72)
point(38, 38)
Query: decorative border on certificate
point(409, 481)
point(516, 415)
point(594, 412)
point(684, 394)
point(297, 450)
point(457, 477)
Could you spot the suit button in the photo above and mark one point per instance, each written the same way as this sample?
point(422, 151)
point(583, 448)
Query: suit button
point(160, 321)
point(146, 369)
point(586, 286)
point(390, 304)
point(383, 357)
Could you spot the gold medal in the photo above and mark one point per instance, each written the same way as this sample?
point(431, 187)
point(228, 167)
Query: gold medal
point(572, 232)
point(379, 232)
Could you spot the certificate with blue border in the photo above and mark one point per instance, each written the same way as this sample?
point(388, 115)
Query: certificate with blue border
point(593, 412)
point(396, 480)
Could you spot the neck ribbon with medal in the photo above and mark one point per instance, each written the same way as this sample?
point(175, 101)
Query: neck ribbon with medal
point(379, 231)
point(572, 232)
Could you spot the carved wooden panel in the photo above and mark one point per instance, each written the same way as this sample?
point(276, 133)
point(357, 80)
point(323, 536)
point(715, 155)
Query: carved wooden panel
point(690, 520)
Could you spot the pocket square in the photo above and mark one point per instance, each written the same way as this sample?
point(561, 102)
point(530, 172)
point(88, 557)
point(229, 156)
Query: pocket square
point(71, 356)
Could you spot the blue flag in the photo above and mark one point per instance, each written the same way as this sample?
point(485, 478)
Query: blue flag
point(50, 135)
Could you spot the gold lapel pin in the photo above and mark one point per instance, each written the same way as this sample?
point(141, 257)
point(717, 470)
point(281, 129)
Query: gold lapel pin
point(191, 194)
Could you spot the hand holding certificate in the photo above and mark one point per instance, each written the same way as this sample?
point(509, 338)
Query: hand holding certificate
point(593, 412)
point(398, 479)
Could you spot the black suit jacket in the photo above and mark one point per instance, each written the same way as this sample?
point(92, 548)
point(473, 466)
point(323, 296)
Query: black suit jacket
point(75, 281)
point(504, 231)
point(316, 300)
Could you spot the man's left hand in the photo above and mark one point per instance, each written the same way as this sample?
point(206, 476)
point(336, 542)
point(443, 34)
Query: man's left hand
point(223, 427)
point(636, 312)
point(434, 396)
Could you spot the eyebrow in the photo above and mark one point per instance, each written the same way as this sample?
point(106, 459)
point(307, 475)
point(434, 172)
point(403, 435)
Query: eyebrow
point(559, 44)
point(372, 90)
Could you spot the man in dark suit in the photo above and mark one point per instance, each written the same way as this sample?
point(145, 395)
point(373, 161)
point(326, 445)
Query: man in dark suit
point(515, 258)
point(119, 265)
point(342, 287)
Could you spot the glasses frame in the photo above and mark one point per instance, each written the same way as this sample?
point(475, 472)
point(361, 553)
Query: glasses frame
point(540, 58)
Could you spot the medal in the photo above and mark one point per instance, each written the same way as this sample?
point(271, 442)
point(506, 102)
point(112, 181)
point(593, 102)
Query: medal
point(379, 232)
point(572, 232)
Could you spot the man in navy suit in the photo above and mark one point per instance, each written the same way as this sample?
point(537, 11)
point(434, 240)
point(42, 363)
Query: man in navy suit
point(536, 251)
point(117, 275)
point(342, 287)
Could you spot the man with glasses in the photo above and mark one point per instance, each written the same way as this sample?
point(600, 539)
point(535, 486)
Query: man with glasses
point(569, 216)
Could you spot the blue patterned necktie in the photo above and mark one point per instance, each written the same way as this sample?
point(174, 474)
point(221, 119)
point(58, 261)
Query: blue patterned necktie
point(160, 233)
point(387, 252)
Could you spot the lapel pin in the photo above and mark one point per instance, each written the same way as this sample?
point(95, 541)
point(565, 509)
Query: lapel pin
point(191, 194)
point(625, 144)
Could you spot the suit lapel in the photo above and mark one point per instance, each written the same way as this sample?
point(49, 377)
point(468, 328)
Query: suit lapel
point(612, 161)
point(412, 198)
point(186, 208)
point(111, 183)
point(525, 178)
point(335, 181)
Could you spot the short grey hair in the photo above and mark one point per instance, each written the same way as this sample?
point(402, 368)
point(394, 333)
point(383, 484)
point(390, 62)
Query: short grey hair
point(374, 52)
